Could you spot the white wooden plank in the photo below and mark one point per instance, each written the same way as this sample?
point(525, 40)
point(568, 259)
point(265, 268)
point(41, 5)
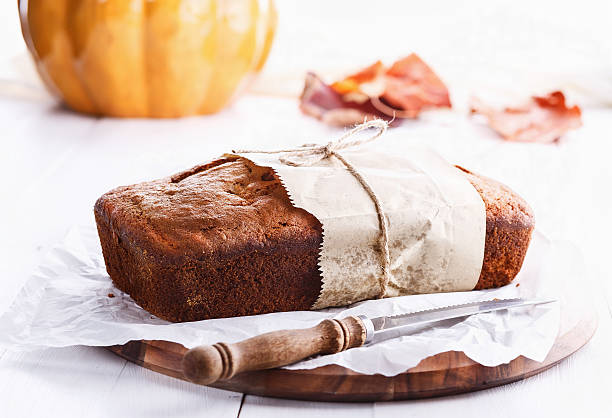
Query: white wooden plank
point(260, 407)
point(58, 382)
point(41, 142)
point(147, 394)
point(92, 382)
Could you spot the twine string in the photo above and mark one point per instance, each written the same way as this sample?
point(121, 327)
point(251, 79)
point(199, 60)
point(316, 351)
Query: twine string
point(309, 154)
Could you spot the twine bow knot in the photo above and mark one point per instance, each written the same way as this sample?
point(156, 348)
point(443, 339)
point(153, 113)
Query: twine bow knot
point(310, 154)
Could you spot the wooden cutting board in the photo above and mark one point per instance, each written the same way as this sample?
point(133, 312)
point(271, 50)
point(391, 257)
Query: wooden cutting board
point(443, 374)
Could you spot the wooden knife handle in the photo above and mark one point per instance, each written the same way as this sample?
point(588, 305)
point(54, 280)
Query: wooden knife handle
point(209, 363)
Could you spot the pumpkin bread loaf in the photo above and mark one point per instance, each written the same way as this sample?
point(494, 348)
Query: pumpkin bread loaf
point(223, 239)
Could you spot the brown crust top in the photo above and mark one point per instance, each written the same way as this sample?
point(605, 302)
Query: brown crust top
point(210, 211)
point(223, 239)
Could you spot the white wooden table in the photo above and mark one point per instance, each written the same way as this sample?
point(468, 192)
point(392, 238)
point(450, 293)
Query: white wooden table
point(54, 164)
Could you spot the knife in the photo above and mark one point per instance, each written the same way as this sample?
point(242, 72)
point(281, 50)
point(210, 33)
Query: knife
point(207, 364)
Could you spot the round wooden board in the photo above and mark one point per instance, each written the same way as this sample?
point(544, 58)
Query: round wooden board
point(443, 374)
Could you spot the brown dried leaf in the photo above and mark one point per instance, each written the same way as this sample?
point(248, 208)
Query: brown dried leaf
point(543, 119)
point(401, 91)
point(352, 83)
point(326, 104)
point(411, 85)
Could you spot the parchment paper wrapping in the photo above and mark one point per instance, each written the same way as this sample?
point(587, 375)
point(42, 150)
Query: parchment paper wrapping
point(435, 216)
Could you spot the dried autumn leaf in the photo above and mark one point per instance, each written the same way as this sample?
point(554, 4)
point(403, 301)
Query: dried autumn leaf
point(326, 104)
point(411, 85)
point(401, 91)
point(543, 119)
point(351, 83)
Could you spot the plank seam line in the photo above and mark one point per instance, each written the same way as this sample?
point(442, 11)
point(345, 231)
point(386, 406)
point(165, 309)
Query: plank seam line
point(241, 404)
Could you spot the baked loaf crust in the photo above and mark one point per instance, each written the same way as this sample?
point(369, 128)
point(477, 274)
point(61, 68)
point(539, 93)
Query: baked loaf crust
point(510, 222)
point(223, 239)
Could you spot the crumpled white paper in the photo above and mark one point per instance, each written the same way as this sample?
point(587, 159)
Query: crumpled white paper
point(66, 302)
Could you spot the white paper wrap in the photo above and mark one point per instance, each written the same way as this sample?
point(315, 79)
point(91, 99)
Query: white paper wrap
point(66, 303)
point(436, 222)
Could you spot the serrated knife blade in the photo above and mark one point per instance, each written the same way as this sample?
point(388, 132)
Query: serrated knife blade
point(387, 327)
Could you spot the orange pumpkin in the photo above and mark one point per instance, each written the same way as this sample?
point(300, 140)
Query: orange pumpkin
point(147, 58)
